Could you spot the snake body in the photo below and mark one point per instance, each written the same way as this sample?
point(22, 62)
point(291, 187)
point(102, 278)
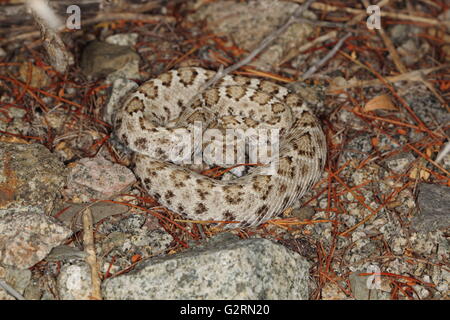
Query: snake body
point(160, 112)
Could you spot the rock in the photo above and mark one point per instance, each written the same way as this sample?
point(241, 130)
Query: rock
point(304, 213)
point(426, 106)
point(97, 178)
point(131, 223)
point(74, 282)
point(16, 278)
point(38, 77)
point(99, 210)
point(30, 176)
point(64, 253)
point(123, 246)
point(33, 291)
point(17, 123)
point(104, 59)
point(433, 202)
point(412, 52)
point(358, 148)
point(399, 162)
point(158, 241)
point(360, 287)
point(247, 23)
point(224, 268)
point(410, 46)
point(446, 161)
point(123, 39)
point(27, 237)
point(403, 32)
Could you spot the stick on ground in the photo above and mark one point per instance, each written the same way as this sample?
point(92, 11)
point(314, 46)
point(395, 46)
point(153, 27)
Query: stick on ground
point(91, 258)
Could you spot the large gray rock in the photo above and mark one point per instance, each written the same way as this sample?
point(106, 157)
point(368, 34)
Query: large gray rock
point(225, 268)
point(433, 202)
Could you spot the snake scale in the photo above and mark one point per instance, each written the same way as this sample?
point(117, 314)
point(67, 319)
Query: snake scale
point(161, 111)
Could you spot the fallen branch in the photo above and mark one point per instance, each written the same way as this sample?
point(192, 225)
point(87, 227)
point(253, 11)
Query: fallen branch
point(91, 258)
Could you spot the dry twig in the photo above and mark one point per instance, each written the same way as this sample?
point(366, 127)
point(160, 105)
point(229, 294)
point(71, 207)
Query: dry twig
point(91, 258)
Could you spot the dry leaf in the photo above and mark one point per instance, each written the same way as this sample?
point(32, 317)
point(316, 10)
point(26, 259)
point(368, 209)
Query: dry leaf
point(380, 102)
point(419, 173)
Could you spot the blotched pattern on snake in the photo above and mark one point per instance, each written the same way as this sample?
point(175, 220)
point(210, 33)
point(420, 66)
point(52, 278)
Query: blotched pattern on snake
point(158, 113)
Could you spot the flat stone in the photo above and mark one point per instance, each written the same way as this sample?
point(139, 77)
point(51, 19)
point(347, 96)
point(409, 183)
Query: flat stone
point(102, 59)
point(224, 268)
point(64, 253)
point(97, 178)
point(71, 216)
point(360, 288)
point(433, 202)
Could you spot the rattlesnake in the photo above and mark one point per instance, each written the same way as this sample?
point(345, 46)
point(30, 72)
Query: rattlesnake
point(156, 112)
